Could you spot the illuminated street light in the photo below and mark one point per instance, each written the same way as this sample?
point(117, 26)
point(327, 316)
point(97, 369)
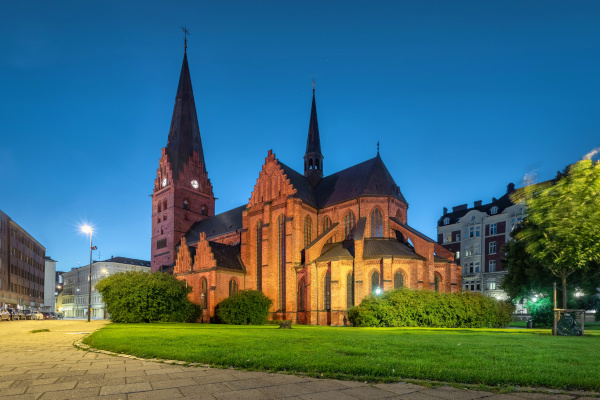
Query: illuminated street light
point(534, 299)
point(378, 291)
point(88, 229)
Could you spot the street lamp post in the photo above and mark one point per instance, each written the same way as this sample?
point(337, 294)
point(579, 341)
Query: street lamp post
point(88, 229)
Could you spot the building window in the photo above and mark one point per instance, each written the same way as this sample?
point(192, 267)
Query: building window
point(259, 255)
point(204, 293)
point(161, 243)
point(301, 295)
point(447, 237)
point(457, 255)
point(494, 210)
point(468, 251)
point(349, 225)
point(492, 248)
point(327, 225)
point(493, 229)
point(374, 282)
point(281, 258)
point(476, 268)
point(186, 205)
point(398, 280)
point(473, 218)
point(233, 287)
point(376, 223)
point(327, 290)
point(446, 221)
point(492, 266)
point(203, 210)
point(436, 282)
point(307, 231)
point(349, 290)
point(458, 237)
point(477, 249)
point(492, 284)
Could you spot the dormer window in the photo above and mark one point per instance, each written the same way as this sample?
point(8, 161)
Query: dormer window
point(446, 221)
point(494, 210)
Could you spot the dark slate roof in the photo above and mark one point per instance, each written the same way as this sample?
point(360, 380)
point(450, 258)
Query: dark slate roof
point(229, 221)
point(125, 260)
point(367, 178)
point(184, 134)
point(502, 203)
point(313, 142)
point(304, 190)
point(437, 258)
point(376, 248)
point(336, 251)
point(413, 230)
point(227, 256)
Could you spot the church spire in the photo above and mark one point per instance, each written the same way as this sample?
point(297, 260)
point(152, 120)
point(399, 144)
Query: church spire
point(184, 135)
point(313, 159)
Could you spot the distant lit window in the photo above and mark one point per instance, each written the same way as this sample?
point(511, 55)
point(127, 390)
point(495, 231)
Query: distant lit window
point(457, 255)
point(492, 248)
point(493, 229)
point(494, 210)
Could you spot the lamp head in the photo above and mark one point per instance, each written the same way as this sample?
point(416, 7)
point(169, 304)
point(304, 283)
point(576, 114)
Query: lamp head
point(86, 229)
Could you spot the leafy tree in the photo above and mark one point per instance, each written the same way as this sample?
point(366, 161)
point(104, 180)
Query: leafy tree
point(563, 233)
point(132, 297)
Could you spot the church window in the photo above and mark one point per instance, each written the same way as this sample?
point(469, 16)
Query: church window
point(186, 205)
point(310, 164)
point(327, 290)
point(301, 295)
point(398, 280)
point(233, 287)
point(259, 255)
point(349, 225)
point(161, 243)
point(327, 225)
point(316, 164)
point(204, 210)
point(437, 280)
point(165, 204)
point(159, 207)
point(307, 231)
point(349, 290)
point(281, 258)
point(374, 281)
point(204, 293)
point(376, 223)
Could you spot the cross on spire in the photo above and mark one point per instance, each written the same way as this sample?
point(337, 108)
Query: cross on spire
point(186, 33)
point(313, 82)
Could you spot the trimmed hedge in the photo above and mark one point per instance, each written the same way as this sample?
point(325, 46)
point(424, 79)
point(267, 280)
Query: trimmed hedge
point(406, 307)
point(247, 307)
point(134, 296)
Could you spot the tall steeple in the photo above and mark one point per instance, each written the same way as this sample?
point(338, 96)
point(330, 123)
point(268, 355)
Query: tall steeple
point(184, 135)
point(313, 159)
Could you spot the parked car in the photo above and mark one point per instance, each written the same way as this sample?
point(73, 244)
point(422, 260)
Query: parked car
point(37, 315)
point(48, 315)
point(16, 314)
point(27, 314)
point(4, 314)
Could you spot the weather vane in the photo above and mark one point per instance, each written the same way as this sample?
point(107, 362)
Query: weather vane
point(313, 83)
point(378, 147)
point(186, 33)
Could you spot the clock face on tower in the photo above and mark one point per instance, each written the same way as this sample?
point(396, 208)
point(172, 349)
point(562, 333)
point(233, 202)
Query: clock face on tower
point(164, 182)
point(195, 184)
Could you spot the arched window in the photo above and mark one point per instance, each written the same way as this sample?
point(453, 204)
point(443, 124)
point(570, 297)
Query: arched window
point(159, 207)
point(327, 291)
point(259, 256)
point(398, 215)
point(376, 223)
point(349, 225)
point(437, 280)
point(301, 295)
point(398, 280)
point(165, 204)
point(310, 164)
point(349, 290)
point(374, 282)
point(281, 258)
point(307, 231)
point(316, 164)
point(233, 287)
point(186, 204)
point(204, 293)
point(203, 210)
point(327, 225)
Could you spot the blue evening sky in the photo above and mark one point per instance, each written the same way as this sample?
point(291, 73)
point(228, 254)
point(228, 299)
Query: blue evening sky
point(464, 97)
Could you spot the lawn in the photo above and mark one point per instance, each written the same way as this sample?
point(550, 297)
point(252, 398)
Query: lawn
point(494, 357)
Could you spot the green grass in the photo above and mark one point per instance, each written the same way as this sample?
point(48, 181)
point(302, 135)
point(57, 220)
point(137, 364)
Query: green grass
point(40, 330)
point(494, 357)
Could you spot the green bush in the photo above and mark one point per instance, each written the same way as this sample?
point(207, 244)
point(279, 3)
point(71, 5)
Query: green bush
point(133, 297)
point(406, 307)
point(247, 307)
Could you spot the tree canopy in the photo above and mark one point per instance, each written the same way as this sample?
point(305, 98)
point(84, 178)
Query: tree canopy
point(142, 297)
point(563, 232)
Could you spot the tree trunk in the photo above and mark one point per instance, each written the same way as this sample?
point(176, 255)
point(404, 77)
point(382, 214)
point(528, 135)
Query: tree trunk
point(564, 291)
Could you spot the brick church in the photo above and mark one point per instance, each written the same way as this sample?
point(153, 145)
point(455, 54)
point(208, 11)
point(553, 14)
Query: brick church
point(315, 244)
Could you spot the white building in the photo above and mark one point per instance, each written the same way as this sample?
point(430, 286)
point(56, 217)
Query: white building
point(476, 235)
point(49, 303)
point(75, 292)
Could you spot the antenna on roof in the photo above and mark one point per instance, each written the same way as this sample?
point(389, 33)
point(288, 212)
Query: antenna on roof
point(186, 33)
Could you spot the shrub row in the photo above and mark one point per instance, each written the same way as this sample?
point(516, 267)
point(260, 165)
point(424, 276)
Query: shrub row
point(247, 307)
point(406, 307)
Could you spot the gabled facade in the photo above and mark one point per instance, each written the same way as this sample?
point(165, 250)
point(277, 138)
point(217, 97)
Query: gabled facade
point(315, 244)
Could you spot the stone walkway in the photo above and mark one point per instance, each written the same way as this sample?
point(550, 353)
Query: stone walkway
point(47, 366)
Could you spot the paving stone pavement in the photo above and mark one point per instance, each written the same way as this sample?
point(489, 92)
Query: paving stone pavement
point(46, 366)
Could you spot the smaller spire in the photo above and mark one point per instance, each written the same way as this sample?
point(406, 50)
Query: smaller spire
point(185, 35)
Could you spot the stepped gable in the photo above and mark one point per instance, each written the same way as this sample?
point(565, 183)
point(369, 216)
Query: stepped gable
point(370, 177)
point(229, 221)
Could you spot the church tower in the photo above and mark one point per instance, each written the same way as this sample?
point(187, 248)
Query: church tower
point(313, 159)
point(182, 191)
